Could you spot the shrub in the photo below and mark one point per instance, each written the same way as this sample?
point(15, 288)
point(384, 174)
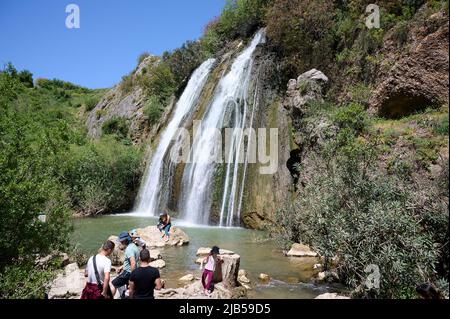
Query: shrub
point(153, 110)
point(442, 127)
point(363, 217)
point(103, 177)
point(116, 125)
point(302, 32)
point(127, 84)
point(91, 102)
point(142, 57)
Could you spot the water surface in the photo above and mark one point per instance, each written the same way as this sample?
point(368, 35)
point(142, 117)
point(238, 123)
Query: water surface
point(290, 277)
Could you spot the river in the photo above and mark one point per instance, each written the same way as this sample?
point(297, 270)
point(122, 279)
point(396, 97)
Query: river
point(290, 277)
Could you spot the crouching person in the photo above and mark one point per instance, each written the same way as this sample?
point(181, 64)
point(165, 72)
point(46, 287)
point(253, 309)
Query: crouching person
point(130, 263)
point(98, 271)
point(145, 279)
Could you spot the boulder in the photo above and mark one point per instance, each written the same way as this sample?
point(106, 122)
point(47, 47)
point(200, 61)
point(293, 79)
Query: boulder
point(327, 276)
point(199, 260)
point(152, 236)
point(242, 277)
point(229, 270)
point(204, 251)
point(264, 277)
point(188, 277)
point(300, 250)
point(159, 263)
point(195, 291)
point(329, 295)
point(68, 284)
point(309, 86)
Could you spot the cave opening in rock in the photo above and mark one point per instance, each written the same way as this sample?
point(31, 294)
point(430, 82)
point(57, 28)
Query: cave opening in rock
point(403, 104)
point(292, 165)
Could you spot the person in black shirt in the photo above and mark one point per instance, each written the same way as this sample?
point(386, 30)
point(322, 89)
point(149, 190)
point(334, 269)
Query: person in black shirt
point(144, 279)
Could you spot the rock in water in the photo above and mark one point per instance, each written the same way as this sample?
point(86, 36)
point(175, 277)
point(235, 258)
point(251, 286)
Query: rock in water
point(300, 250)
point(152, 237)
point(68, 284)
point(264, 277)
point(204, 251)
point(188, 277)
point(229, 270)
point(242, 277)
point(158, 263)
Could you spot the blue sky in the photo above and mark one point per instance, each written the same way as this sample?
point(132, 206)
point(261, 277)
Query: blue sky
point(112, 34)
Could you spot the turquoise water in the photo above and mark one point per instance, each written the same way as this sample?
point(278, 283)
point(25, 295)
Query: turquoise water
point(290, 278)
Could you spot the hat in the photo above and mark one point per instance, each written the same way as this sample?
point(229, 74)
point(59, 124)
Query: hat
point(124, 236)
point(133, 233)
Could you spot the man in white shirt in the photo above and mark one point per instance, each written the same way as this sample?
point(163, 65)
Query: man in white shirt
point(98, 274)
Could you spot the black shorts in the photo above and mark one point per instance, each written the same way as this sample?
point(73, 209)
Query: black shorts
point(122, 279)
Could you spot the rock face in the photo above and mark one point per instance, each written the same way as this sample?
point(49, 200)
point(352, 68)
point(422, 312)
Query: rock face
point(308, 87)
point(263, 191)
point(420, 78)
point(300, 250)
point(68, 284)
point(128, 105)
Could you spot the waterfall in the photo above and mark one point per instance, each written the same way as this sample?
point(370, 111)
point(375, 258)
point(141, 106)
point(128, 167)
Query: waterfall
point(230, 100)
point(151, 196)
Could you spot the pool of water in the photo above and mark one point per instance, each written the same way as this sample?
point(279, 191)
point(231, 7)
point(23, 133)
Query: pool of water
point(290, 277)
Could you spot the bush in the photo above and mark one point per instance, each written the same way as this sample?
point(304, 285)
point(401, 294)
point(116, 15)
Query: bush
point(142, 57)
point(302, 32)
point(127, 84)
point(116, 125)
point(363, 217)
point(91, 102)
point(24, 282)
point(153, 110)
point(103, 177)
point(352, 116)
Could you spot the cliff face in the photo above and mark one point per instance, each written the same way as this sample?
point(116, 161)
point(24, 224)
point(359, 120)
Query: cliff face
point(411, 78)
point(128, 103)
point(419, 76)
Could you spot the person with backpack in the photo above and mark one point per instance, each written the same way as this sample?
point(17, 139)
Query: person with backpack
point(131, 262)
point(98, 271)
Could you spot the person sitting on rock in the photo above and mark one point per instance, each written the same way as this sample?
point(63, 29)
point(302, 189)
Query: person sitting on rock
point(98, 274)
point(145, 279)
point(130, 263)
point(138, 241)
point(208, 273)
point(165, 225)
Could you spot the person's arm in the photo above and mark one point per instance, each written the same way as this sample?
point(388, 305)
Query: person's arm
point(106, 285)
point(131, 289)
point(168, 219)
point(158, 284)
point(132, 263)
point(85, 272)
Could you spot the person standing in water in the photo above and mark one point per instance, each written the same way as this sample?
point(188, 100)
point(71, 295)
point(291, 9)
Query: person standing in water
point(212, 260)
